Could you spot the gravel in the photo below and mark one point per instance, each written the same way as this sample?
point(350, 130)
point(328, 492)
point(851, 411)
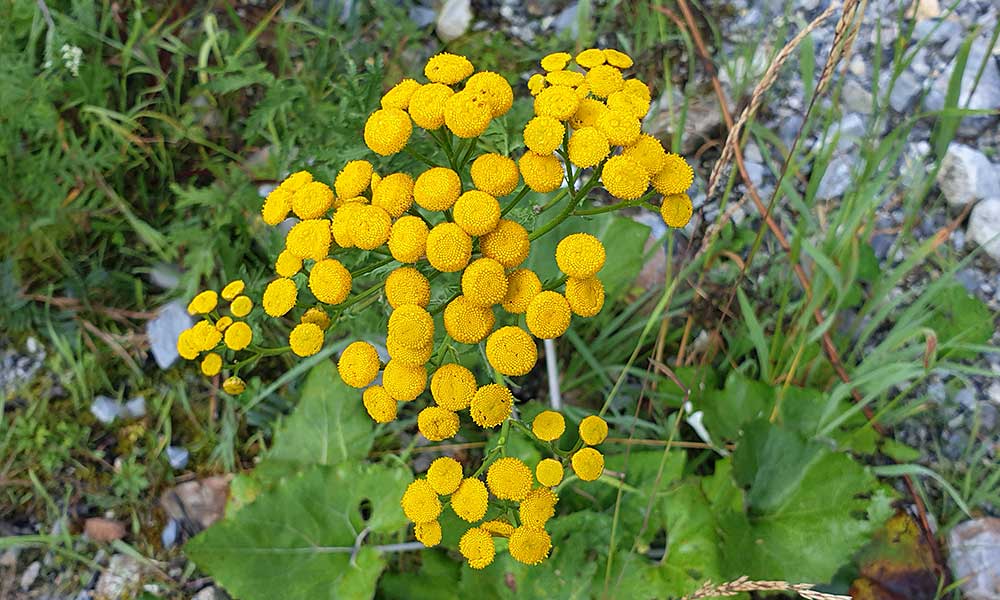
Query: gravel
point(984, 226)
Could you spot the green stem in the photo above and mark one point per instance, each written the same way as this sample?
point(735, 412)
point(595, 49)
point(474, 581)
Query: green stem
point(575, 198)
point(362, 296)
point(419, 156)
point(517, 200)
point(555, 283)
point(371, 267)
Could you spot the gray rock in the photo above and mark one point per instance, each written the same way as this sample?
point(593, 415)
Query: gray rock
point(937, 392)
point(177, 456)
point(881, 243)
point(974, 553)
point(164, 330)
point(966, 397)
point(567, 20)
point(982, 96)
point(837, 178)
point(993, 392)
point(966, 175)
point(421, 16)
point(936, 30)
point(856, 98)
point(984, 226)
point(170, 533)
point(121, 579)
point(454, 19)
point(135, 408)
point(165, 276)
point(30, 575)
point(969, 278)
point(904, 92)
point(209, 593)
point(106, 409)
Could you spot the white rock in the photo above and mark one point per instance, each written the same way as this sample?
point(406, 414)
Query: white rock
point(120, 580)
point(454, 19)
point(974, 553)
point(30, 575)
point(164, 330)
point(836, 179)
point(984, 226)
point(966, 175)
point(981, 93)
point(106, 409)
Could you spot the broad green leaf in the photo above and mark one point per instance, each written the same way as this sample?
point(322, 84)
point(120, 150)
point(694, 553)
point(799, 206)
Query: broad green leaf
point(740, 402)
point(328, 427)
point(433, 581)
point(290, 542)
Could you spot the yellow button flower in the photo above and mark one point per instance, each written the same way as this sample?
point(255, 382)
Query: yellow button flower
point(493, 90)
point(567, 78)
point(427, 105)
point(380, 405)
point(428, 534)
point(495, 174)
point(387, 130)
point(593, 430)
point(590, 58)
point(617, 58)
point(543, 135)
point(637, 88)
point(580, 255)
point(400, 94)
point(522, 286)
point(445, 475)
point(630, 103)
point(404, 382)
point(437, 189)
point(557, 101)
point(555, 61)
point(233, 288)
point(296, 180)
point(476, 212)
point(411, 326)
point(538, 507)
point(529, 545)
point(188, 346)
point(548, 315)
point(317, 316)
point(470, 500)
point(353, 179)
point(604, 80)
point(541, 173)
point(585, 296)
point(447, 68)
point(407, 285)
point(407, 355)
point(509, 478)
point(206, 335)
point(466, 116)
point(437, 424)
point(619, 126)
point(648, 152)
point(448, 248)
point(344, 222)
point(549, 472)
point(330, 281)
point(408, 239)
point(203, 303)
point(241, 306)
point(477, 547)
point(498, 528)
point(420, 503)
point(394, 194)
point(305, 339)
point(276, 206)
point(491, 405)
point(675, 177)
point(467, 322)
point(508, 244)
point(676, 210)
point(287, 264)
point(588, 464)
point(588, 147)
point(536, 83)
point(624, 177)
point(359, 364)
point(234, 386)
point(312, 200)
point(309, 239)
point(211, 364)
point(453, 386)
point(587, 113)
point(548, 425)
point(371, 227)
point(511, 351)
point(484, 282)
point(223, 323)
point(279, 297)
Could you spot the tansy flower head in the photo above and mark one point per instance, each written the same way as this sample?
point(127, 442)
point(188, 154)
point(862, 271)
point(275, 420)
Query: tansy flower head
point(467, 322)
point(555, 61)
point(234, 386)
point(557, 101)
point(448, 248)
point(548, 315)
point(529, 545)
point(211, 364)
point(675, 177)
point(470, 500)
point(522, 286)
point(604, 80)
point(453, 387)
point(567, 78)
point(277, 205)
point(511, 351)
point(353, 179)
point(648, 152)
point(437, 188)
point(631, 103)
point(585, 296)
point(312, 200)
point(538, 507)
point(590, 58)
point(371, 227)
point(491, 405)
point(330, 281)
point(495, 174)
point(617, 58)
point(394, 194)
point(484, 282)
point(549, 472)
point(580, 255)
point(306, 339)
point(619, 126)
point(447, 68)
point(187, 345)
point(359, 364)
point(296, 180)
point(638, 89)
point(477, 547)
point(279, 297)
point(437, 424)
point(507, 244)
point(223, 322)
point(588, 464)
point(380, 405)
point(408, 239)
point(233, 288)
point(408, 355)
point(400, 94)
point(541, 172)
point(407, 285)
point(420, 502)
point(404, 382)
point(387, 130)
point(238, 336)
point(241, 306)
point(588, 147)
point(593, 430)
point(317, 316)
point(543, 135)
point(536, 83)
point(465, 115)
point(498, 528)
point(492, 90)
point(509, 478)
point(343, 223)
point(203, 303)
point(587, 113)
point(206, 335)
point(476, 212)
point(445, 475)
point(287, 264)
point(428, 534)
point(427, 105)
point(676, 210)
point(624, 177)
point(411, 325)
point(309, 239)
point(548, 425)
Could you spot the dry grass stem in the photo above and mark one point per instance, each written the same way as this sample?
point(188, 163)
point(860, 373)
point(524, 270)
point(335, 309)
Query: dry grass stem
point(743, 584)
